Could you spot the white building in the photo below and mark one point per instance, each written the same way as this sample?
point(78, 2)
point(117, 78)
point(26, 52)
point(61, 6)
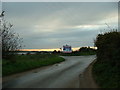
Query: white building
point(67, 49)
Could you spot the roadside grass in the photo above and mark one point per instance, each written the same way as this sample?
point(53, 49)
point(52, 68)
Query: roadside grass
point(27, 62)
point(79, 54)
point(106, 75)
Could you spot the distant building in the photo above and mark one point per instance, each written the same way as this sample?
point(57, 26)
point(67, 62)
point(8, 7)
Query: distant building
point(67, 49)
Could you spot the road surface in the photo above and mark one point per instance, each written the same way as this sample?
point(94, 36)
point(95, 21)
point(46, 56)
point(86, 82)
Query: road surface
point(61, 75)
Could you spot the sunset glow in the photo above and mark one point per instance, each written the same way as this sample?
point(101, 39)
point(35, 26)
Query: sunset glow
point(57, 49)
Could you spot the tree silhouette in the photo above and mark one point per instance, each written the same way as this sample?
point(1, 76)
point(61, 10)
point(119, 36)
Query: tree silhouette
point(10, 41)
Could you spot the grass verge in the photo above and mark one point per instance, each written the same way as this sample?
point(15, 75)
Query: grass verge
point(106, 75)
point(27, 62)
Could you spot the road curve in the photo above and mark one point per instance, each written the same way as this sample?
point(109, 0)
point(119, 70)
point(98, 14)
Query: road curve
point(62, 75)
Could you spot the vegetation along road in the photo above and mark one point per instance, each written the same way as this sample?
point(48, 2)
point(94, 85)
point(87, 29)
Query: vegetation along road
point(62, 75)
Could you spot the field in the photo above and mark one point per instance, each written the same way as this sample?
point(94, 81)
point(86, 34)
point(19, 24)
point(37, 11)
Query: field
point(26, 62)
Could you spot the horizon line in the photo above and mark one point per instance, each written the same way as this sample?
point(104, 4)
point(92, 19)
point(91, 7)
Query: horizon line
point(57, 49)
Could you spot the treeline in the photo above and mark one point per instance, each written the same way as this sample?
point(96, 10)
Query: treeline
point(106, 69)
point(81, 51)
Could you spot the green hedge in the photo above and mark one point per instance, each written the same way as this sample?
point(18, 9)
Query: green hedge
point(106, 70)
point(108, 45)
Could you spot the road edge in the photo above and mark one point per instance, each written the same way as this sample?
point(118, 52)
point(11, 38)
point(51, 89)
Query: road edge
point(86, 79)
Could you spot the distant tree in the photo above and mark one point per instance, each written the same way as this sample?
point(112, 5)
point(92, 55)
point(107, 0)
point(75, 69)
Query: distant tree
point(86, 49)
point(83, 49)
point(58, 51)
point(54, 51)
point(10, 40)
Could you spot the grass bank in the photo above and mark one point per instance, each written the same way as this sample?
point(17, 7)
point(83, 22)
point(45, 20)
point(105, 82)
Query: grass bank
point(26, 62)
point(106, 76)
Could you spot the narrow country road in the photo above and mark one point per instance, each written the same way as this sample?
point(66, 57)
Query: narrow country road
point(62, 75)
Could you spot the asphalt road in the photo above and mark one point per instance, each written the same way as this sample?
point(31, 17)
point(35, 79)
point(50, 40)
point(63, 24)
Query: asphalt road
point(62, 75)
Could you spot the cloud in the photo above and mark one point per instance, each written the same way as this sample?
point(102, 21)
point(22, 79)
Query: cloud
point(50, 25)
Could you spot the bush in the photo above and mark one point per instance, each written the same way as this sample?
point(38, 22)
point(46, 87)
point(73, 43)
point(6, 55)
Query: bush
point(106, 70)
point(108, 45)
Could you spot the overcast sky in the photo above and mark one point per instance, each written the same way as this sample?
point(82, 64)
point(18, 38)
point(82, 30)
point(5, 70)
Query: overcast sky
point(52, 25)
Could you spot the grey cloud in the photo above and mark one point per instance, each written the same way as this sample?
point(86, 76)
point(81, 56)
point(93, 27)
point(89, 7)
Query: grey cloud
point(60, 19)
